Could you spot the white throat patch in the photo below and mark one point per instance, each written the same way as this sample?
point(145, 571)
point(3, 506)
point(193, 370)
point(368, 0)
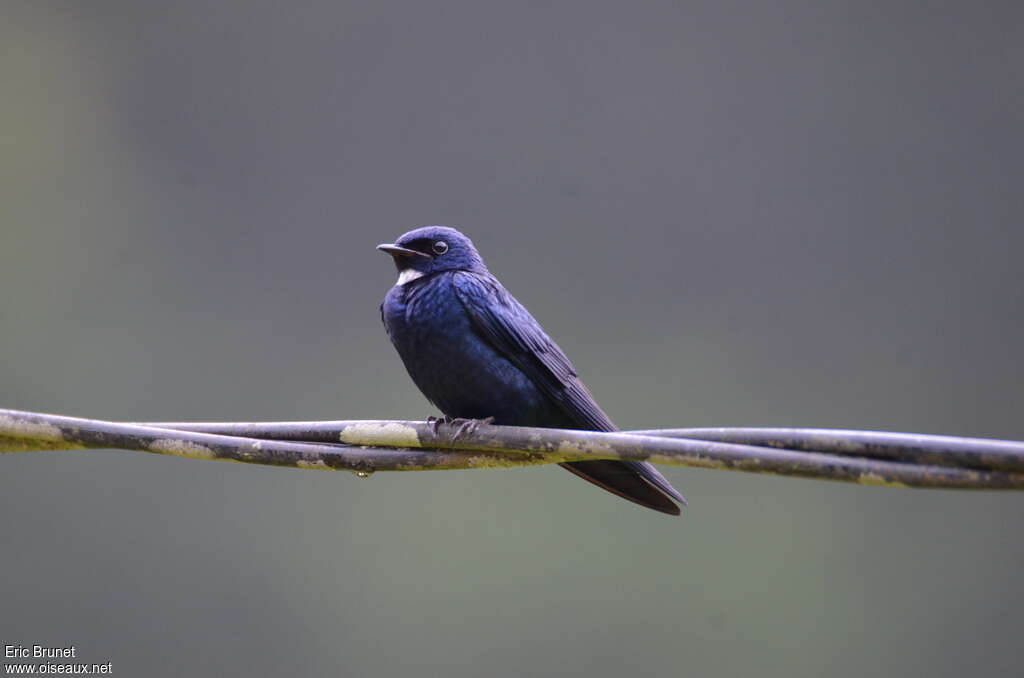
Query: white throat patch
point(408, 275)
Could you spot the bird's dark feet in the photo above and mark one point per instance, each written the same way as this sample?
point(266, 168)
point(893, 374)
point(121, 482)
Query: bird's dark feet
point(469, 426)
point(435, 422)
point(462, 426)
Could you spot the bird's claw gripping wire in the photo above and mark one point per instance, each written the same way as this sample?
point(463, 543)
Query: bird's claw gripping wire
point(468, 426)
point(462, 426)
point(435, 422)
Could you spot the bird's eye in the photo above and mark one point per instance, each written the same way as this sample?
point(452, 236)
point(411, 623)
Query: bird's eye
point(440, 247)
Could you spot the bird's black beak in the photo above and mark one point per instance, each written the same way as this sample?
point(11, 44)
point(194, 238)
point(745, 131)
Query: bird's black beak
point(397, 251)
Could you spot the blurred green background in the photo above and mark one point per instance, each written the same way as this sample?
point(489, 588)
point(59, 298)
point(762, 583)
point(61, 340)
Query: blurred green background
point(789, 214)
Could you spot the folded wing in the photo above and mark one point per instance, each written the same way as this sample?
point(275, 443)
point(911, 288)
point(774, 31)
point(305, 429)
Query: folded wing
point(510, 329)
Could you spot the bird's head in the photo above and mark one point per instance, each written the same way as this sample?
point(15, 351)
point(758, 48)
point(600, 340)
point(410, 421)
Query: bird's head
point(432, 249)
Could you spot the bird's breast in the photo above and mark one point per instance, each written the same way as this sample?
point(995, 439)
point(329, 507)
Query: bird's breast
point(454, 367)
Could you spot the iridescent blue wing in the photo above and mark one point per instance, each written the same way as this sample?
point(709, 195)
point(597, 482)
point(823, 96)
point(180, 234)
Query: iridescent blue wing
point(508, 327)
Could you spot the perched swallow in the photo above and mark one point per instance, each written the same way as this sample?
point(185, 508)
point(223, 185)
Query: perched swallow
point(476, 353)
